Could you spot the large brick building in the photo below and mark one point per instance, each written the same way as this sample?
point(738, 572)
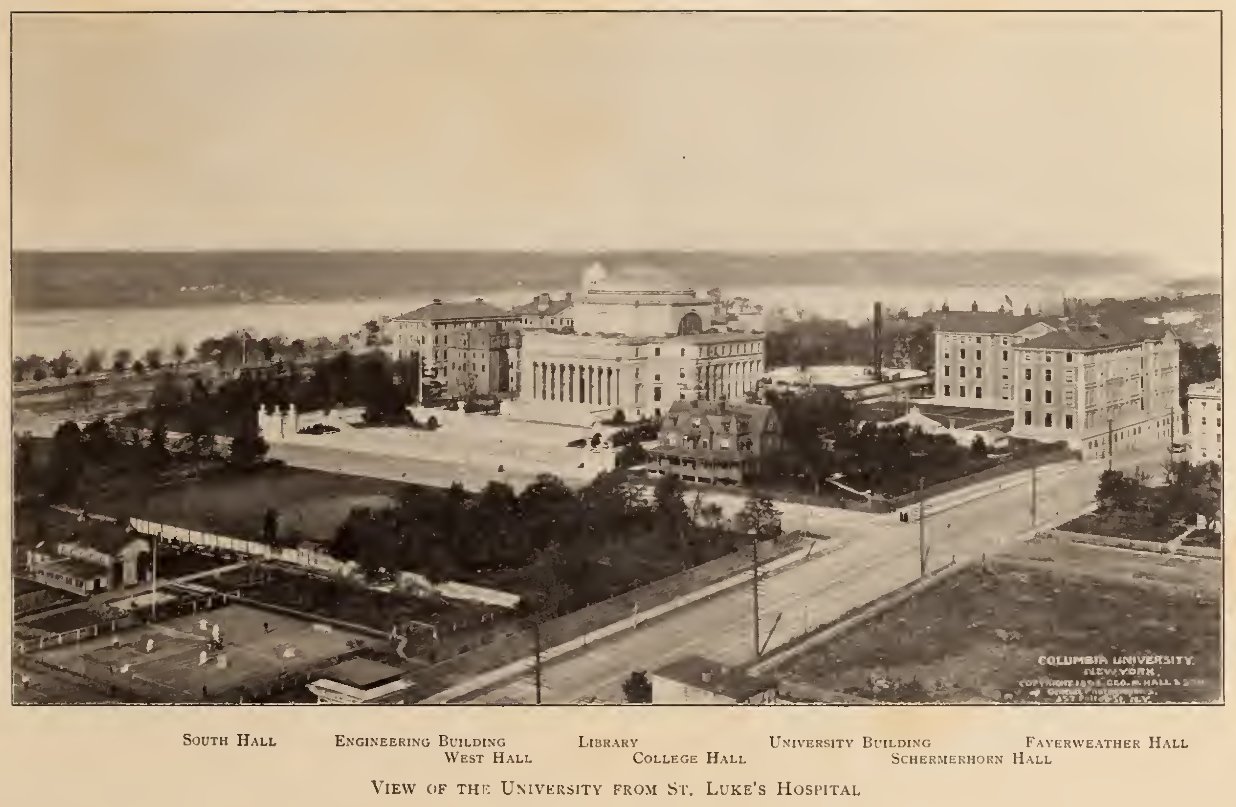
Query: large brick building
point(1206, 422)
point(1101, 387)
point(441, 333)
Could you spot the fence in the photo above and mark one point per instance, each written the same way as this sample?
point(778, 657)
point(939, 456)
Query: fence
point(1003, 469)
point(511, 643)
point(138, 616)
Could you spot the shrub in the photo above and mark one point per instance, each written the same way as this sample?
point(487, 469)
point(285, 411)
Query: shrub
point(453, 406)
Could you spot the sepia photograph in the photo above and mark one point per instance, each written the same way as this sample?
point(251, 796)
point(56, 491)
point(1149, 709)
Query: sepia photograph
point(608, 359)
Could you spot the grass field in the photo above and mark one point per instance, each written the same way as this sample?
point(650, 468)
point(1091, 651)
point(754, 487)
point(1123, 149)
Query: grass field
point(980, 634)
point(310, 503)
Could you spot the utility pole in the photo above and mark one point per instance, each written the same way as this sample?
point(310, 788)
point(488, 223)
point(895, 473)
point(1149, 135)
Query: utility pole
point(1110, 445)
point(154, 575)
point(922, 530)
point(1034, 494)
point(755, 589)
point(536, 634)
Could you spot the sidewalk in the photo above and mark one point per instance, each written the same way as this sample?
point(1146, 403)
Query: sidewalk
point(517, 668)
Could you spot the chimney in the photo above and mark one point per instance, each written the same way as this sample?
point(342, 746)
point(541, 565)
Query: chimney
point(877, 327)
point(542, 301)
point(974, 306)
point(1029, 313)
point(568, 298)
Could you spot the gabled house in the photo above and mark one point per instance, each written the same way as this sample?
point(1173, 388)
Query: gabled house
point(714, 442)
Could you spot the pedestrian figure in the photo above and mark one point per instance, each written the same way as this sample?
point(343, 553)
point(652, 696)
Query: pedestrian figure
point(265, 627)
point(204, 692)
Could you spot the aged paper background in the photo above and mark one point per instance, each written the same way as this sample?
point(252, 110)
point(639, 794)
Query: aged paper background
point(135, 756)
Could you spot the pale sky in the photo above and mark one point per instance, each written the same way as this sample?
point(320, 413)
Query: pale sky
point(948, 131)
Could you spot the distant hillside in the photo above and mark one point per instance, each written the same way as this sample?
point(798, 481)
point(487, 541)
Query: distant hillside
point(47, 280)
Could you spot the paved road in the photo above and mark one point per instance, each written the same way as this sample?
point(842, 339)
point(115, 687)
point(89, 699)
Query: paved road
point(881, 559)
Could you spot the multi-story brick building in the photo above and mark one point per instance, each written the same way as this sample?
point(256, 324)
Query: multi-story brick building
point(1101, 388)
point(428, 331)
point(1098, 387)
point(974, 355)
point(1205, 437)
point(545, 313)
point(482, 360)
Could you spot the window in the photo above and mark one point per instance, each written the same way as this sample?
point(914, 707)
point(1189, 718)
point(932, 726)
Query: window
point(978, 372)
point(963, 352)
point(946, 369)
point(658, 351)
point(978, 392)
point(1047, 420)
point(1027, 396)
point(961, 391)
point(1027, 417)
point(946, 354)
point(1049, 358)
point(656, 377)
point(1203, 421)
point(1068, 421)
point(1068, 357)
point(1006, 355)
point(946, 391)
point(1048, 375)
point(961, 371)
point(1218, 438)
point(978, 354)
point(1048, 398)
point(1027, 374)
point(1006, 341)
point(682, 352)
point(656, 393)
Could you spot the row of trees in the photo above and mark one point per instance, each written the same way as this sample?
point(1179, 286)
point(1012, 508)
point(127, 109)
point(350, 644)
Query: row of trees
point(572, 548)
point(227, 352)
point(821, 438)
point(905, 343)
point(1126, 502)
point(381, 385)
point(77, 458)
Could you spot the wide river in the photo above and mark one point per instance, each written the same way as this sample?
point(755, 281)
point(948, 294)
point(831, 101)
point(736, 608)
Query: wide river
point(48, 332)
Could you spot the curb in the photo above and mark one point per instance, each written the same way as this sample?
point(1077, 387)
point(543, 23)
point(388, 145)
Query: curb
point(516, 668)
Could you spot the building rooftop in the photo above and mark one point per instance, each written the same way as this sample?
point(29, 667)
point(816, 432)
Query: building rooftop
point(104, 536)
point(990, 322)
point(713, 677)
point(477, 309)
point(554, 307)
point(77, 569)
point(1206, 389)
point(362, 673)
point(1106, 335)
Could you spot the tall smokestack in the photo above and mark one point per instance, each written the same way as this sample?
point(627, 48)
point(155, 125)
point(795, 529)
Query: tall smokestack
point(877, 326)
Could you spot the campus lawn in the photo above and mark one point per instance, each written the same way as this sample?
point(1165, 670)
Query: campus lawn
point(1114, 526)
point(979, 634)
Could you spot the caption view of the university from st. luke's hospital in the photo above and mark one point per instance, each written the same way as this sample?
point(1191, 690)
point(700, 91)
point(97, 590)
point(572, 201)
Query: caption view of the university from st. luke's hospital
point(632, 491)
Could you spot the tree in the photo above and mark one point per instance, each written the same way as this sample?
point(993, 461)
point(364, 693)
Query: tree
point(179, 352)
point(93, 362)
point(39, 374)
point(248, 446)
point(19, 369)
point(761, 517)
point(139, 367)
point(154, 358)
point(270, 527)
point(637, 688)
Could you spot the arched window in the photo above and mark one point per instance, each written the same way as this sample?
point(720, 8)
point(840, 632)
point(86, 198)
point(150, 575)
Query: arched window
point(690, 324)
